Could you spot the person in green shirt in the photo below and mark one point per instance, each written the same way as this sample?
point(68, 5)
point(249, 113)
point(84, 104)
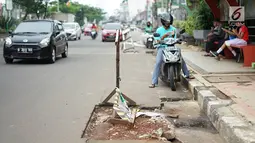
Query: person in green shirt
point(148, 28)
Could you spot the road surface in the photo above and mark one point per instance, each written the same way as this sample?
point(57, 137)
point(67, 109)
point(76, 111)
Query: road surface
point(50, 103)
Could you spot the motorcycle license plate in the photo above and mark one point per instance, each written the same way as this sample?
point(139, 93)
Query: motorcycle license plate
point(93, 32)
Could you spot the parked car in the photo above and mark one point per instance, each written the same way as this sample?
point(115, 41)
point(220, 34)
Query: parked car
point(109, 31)
point(36, 39)
point(73, 30)
point(87, 29)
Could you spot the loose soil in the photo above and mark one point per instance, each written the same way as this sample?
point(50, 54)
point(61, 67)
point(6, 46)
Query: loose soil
point(100, 129)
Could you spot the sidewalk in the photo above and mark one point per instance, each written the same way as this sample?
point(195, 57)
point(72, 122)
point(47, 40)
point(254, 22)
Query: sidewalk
point(233, 101)
point(2, 36)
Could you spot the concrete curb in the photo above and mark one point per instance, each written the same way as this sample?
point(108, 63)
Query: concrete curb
point(231, 127)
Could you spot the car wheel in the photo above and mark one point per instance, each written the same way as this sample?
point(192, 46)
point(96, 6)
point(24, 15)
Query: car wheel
point(8, 61)
point(52, 58)
point(65, 54)
point(103, 40)
point(80, 37)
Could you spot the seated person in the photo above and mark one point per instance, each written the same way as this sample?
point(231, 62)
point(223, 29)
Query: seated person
point(216, 34)
point(242, 38)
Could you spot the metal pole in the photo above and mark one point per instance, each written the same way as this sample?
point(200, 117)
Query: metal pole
point(118, 60)
point(167, 6)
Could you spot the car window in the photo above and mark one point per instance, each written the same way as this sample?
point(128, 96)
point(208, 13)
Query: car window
point(69, 26)
point(35, 27)
point(112, 26)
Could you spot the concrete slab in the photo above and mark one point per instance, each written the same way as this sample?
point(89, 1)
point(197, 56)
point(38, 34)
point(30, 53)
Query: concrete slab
point(242, 94)
point(124, 141)
point(208, 65)
point(226, 78)
point(136, 74)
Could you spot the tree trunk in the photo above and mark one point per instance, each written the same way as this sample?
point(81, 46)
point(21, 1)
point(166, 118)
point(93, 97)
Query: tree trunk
point(45, 13)
point(37, 15)
point(25, 17)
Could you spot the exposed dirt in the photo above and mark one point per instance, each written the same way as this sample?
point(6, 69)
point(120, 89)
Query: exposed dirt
point(100, 129)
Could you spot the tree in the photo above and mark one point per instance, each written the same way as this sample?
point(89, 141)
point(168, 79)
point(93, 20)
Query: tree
point(79, 16)
point(31, 7)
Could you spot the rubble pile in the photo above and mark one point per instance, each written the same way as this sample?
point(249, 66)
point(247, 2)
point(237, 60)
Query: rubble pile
point(144, 127)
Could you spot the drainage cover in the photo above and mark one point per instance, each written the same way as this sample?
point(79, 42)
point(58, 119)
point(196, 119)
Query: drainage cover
point(223, 79)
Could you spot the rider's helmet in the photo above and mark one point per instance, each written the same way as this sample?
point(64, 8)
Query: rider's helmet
point(166, 19)
point(148, 23)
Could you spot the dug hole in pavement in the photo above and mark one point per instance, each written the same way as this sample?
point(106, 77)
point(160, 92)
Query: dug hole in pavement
point(180, 121)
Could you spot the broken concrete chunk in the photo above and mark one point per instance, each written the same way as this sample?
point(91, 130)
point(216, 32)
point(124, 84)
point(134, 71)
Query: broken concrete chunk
point(169, 135)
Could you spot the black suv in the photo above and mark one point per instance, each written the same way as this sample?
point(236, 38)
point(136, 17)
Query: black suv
point(36, 39)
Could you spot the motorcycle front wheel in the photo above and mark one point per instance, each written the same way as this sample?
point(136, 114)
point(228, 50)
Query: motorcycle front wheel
point(171, 76)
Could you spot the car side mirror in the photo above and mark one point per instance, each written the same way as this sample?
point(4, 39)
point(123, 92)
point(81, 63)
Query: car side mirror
point(10, 32)
point(57, 32)
point(156, 35)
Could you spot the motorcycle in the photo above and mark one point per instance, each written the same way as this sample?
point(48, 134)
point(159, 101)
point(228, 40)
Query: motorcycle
point(170, 69)
point(93, 34)
point(149, 42)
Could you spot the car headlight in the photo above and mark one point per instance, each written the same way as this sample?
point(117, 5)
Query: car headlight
point(45, 42)
point(8, 41)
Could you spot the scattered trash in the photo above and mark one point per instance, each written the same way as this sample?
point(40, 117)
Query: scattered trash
point(144, 127)
point(150, 114)
point(121, 107)
point(131, 123)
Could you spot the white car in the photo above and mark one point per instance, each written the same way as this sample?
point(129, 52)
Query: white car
point(73, 30)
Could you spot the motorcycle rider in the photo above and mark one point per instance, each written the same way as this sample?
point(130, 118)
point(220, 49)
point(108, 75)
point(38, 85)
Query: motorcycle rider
point(148, 29)
point(165, 31)
point(94, 27)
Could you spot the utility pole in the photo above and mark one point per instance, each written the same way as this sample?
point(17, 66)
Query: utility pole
point(167, 6)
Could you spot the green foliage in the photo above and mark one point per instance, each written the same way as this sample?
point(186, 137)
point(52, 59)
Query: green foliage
point(201, 19)
point(204, 16)
point(190, 25)
point(179, 24)
point(75, 8)
point(32, 7)
point(79, 16)
point(12, 23)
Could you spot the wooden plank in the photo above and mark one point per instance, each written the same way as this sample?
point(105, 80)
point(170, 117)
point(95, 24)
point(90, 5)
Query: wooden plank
point(109, 96)
point(119, 121)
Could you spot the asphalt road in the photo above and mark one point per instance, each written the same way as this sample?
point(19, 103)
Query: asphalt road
point(50, 103)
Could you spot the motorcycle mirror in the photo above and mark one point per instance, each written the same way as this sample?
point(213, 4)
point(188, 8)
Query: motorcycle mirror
point(182, 31)
point(156, 35)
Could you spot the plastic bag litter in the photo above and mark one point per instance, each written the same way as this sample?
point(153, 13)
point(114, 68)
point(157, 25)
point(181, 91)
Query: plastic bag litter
point(150, 114)
point(122, 108)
